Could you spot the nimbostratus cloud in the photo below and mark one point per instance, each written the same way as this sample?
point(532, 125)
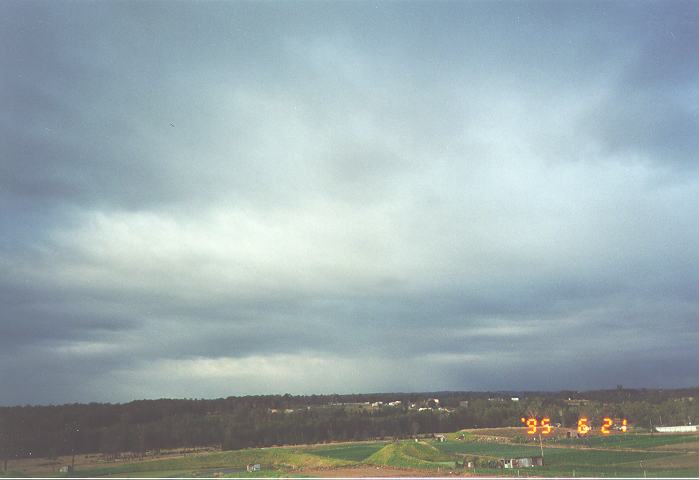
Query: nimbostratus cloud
point(209, 200)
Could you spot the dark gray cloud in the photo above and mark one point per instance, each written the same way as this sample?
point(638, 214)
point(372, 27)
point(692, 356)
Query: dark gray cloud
point(651, 113)
point(229, 198)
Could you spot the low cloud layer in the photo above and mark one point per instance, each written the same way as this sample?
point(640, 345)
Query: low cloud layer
point(202, 200)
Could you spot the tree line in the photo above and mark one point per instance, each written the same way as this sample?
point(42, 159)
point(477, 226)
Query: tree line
point(267, 420)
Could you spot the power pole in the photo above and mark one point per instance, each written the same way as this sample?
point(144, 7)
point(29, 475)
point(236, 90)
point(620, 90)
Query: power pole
point(75, 429)
point(541, 444)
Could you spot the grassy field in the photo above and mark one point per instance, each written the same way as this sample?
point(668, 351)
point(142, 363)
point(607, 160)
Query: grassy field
point(412, 455)
point(489, 449)
point(228, 463)
point(600, 460)
point(355, 452)
point(634, 455)
point(631, 441)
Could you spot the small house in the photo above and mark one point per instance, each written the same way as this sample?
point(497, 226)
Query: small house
point(522, 462)
point(253, 467)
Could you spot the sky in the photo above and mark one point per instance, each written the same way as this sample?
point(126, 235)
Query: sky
point(203, 199)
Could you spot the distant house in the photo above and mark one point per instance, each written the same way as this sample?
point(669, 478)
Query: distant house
point(65, 469)
point(514, 399)
point(253, 467)
point(677, 429)
point(522, 462)
point(463, 404)
point(440, 438)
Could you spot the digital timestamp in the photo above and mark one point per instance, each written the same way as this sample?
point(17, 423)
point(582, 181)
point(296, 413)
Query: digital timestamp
point(544, 426)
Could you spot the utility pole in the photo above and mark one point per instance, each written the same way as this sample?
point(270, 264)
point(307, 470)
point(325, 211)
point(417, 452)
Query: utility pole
point(541, 444)
point(73, 436)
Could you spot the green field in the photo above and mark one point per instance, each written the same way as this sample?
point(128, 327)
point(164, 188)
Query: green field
point(489, 449)
point(230, 463)
point(631, 441)
point(412, 455)
point(355, 452)
point(601, 456)
point(633, 455)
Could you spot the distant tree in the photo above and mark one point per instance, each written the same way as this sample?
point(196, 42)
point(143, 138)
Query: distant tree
point(414, 427)
point(239, 422)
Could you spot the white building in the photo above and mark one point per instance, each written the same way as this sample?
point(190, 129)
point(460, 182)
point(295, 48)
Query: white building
point(677, 429)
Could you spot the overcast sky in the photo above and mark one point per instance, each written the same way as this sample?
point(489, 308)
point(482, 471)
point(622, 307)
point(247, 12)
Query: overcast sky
point(208, 199)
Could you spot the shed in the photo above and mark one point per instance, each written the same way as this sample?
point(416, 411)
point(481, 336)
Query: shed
point(522, 462)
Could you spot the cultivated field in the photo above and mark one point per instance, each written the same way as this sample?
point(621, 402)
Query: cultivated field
point(617, 455)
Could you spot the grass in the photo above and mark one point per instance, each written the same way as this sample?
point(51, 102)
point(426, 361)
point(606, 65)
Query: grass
point(554, 456)
point(487, 449)
point(496, 432)
point(563, 461)
point(630, 441)
point(269, 458)
point(585, 457)
point(607, 458)
point(354, 452)
point(411, 455)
